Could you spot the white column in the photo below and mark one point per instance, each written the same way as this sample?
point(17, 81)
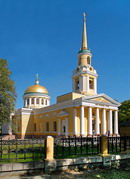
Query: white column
point(59, 127)
point(84, 84)
point(34, 101)
point(40, 101)
point(81, 83)
point(104, 121)
point(87, 83)
point(95, 85)
point(25, 103)
point(82, 120)
point(30, 101)
point(75, 121)
point(97, 127)
point(110, 121)
point(48, 102)
point(116, 122)
point(90, 121)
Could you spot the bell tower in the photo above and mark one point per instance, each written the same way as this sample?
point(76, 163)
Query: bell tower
point(84, 76)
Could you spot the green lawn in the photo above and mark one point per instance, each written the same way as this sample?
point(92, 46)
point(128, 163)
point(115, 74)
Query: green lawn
point(22, 153)
point(108, 174)
point(74, 152)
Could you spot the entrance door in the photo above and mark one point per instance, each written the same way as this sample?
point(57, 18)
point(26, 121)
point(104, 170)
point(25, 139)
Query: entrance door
point(65, 127)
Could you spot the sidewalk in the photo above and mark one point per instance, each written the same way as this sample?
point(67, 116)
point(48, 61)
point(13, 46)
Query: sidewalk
point(60, 175)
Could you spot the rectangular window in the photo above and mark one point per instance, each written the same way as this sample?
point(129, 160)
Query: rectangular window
point(35, 127)
point(47, 126)
point(55, 126)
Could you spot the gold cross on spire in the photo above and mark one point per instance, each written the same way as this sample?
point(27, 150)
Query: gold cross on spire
point(84, 33)
point(84, 14)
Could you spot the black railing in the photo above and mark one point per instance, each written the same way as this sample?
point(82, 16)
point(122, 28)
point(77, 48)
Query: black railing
point(28, 150)
point(22, 150)
point(118, 144)
point(76, 146)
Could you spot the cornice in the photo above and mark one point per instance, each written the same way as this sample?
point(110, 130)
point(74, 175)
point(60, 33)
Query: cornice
point(84, 72)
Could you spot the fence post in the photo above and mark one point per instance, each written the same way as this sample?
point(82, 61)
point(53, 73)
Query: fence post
point(106, 158)
point(50, 162)
point(49, 148)
point(104, 145)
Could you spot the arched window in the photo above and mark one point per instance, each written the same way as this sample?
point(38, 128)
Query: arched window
point(37, 101)
point(46, 101)
point(88, 60)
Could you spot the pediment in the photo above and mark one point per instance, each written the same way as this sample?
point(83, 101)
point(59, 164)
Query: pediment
point(102, 98)
point(63, 113)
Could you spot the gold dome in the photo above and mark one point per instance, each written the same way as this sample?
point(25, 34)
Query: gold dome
point(36, 89)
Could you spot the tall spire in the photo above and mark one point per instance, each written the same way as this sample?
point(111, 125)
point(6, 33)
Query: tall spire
point(37, 80)
point(84, 34)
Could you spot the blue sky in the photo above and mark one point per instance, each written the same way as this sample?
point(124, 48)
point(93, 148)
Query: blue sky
point(44, 36)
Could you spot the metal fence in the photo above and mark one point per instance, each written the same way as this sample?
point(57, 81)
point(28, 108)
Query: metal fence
point(28, 150)
point(118, 144)
point(71, 146)
point(78, 146)
point(22, 150)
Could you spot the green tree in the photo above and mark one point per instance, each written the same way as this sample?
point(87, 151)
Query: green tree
point(124, 111)
point(7, 93)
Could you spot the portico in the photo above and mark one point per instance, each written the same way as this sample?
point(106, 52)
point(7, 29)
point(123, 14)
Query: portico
point(97, 116)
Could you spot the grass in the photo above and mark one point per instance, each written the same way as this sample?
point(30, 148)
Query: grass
point(75, 152)
point(22, 153)
point(109, 174)
point(35, 152)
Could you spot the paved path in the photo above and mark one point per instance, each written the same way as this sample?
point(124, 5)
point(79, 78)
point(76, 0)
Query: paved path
point(63, 175)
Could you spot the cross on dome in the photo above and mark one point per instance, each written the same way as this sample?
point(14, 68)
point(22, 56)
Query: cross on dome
point(37, 80)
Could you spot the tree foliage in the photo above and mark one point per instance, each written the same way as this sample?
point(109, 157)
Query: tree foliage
point(7, 92)
point(124, 111)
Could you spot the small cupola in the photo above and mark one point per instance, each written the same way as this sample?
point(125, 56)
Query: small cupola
point(36, 96)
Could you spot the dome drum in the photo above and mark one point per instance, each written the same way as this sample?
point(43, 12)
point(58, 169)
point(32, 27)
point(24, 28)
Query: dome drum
point(35, 95)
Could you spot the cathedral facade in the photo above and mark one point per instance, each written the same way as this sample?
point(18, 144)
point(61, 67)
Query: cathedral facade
point(81, 112)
